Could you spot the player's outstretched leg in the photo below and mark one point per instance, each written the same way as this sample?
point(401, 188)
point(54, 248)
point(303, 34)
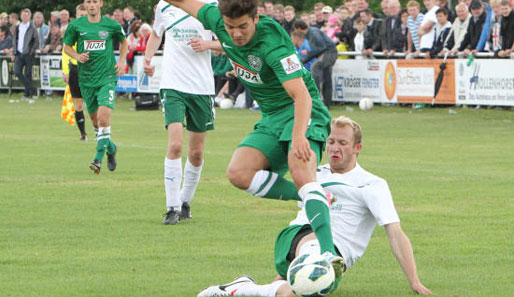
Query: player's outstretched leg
point(243, 286)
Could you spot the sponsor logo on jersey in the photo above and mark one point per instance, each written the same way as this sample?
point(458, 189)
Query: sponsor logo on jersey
point(255, 62)
point(247, 75)
point(103, 34)
point(94, 45)
point(291, 64)
point(226, 45)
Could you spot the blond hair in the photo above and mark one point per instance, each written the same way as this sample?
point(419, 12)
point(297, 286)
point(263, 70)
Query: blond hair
point(413, 3)
point(343, 121)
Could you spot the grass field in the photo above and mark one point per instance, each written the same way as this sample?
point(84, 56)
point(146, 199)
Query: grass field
point(65, 232)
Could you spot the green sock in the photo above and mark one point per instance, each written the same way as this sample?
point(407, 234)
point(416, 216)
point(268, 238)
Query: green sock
point(101, 147)
point(267, 184)
point(111, 147)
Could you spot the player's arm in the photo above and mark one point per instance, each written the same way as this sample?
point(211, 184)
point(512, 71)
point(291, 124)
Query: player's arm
point(190, 6)
point(151, 48)
point(302, 113)
point(402, 249)
point(81, 58)
point(120, 66)
point(425, 28)
point(200, 45)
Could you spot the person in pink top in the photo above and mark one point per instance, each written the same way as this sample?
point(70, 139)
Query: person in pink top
point(333, 28)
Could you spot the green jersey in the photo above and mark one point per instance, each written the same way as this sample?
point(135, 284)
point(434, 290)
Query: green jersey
point(97, 39)
point(264, 63)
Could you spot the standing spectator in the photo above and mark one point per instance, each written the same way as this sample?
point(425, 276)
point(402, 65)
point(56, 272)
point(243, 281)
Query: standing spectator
point(25, 44)
point(312, 20)
point(325, 50)
point(444, 4)
point(14, 20)
point(459, 28)
point(4, 19)
point(385, 10)
point(394, 38)
point(442, 30)
point(332, 29)
point(318, 12)
point(64, 20)
point(476, 23)
point(358, 41)
point(55, 17)
point(495, 38)
point(133, 41)
point(54, 40)
point(362, 4)
point(326, 11)
point(507, 29)
point(278, 13)
point(261, 9)
point(352, 9)
point(41, 27)
point(129, 17)
point(426, 29)
point(5, 40)
point(117, 14)
point(372, 40)
point(289, 19)
point(305, 17)
point(348, 32)
point(302, 47)
point(269, 8)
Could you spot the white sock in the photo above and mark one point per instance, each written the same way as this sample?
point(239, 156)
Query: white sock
point(103, 132)
point(269, 290)
point(262, 182)
point(172, 180)
point(313, 191)
point(191, 179)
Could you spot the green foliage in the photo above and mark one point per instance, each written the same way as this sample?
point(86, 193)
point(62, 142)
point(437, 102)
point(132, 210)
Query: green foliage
point(66, 232)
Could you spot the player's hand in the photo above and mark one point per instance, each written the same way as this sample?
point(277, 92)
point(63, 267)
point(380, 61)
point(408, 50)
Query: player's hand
point(147, 67)
point(301, 148)
point(66, 78)
point(120, 68)
point(197, 44)
point(420, 289)
point(83, 58)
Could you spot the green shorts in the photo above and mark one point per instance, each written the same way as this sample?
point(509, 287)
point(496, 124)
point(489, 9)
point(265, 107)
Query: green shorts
point(99, 96)
point(283, 246)
point(198, 110)
point(272, 136)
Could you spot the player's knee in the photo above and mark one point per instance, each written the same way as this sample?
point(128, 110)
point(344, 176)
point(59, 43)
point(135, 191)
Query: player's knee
point(238, 177)
point(195, 157)
point(175, 149)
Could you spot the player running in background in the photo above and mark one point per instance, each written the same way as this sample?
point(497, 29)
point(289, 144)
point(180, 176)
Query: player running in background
point(361, 201)
point(98, 72)
point(186, 90)
point(295, 123)
point(71, 77)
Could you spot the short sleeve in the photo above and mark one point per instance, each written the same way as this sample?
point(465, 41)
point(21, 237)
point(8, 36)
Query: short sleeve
point(210, 17)
point(70, 36)
point(377, 197)
point(118, 33)
point(285, 63)
point(158, 25)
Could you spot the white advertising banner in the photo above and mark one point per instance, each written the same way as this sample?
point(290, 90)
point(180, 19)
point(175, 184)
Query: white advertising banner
point(415, 81)
point(484, 82)
point(145, 83)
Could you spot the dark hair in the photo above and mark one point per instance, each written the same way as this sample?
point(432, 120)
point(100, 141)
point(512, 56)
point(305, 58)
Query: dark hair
point(299, 24)
point(134, 27)
point(442, 10)
point(238, 8)
point(5, 29)
point(366, 11)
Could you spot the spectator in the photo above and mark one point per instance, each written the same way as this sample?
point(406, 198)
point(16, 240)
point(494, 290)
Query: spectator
point(14, 20)
point(261, 9)
point(442, 30)
point(358, 41)
point(25, 44)
point(129, 17)
point(332, 29)
point(64, 20)
point(220, 66)
point(133, 42)
point(4, 19)
point(507, 29)
point(302, 47)
point(451, 14)
point(385, 10)
point(289, 18)
point(362, 5)
point(395, 40)
point(305, 17)
point(348, 32)
point(55, 17)
point(404, 16)
point(372, 40)
point(117, 15)
point(352, 9)
point(54, 40)
point(312, 20)
point(426, 29)
point(459, 28)
point(278, 14)
point(326, 11)
point(5, 40)
point(269, 8)
point(325, 50)
point(318, 12)
point(495, 39)
point(145, 32)
point(41, 27)
point(476, 23)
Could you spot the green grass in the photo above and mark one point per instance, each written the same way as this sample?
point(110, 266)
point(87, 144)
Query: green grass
point(66, 232)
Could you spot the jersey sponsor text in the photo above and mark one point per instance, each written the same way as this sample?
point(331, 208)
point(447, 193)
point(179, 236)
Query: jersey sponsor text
point(94, 45)
point(246, 74)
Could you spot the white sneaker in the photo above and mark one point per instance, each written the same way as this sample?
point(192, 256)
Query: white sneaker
point(227, 289)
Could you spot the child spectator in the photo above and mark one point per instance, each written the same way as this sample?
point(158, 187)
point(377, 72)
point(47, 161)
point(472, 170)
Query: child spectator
point(332, 28)
point(442, 29)
point(413, 22)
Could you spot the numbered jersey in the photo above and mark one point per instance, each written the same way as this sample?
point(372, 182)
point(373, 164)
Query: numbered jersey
point(268, 60)
point(97, 40)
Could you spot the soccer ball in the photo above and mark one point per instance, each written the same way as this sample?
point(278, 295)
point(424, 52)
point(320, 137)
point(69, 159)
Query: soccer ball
point(226, 104)
point(311, 275)
point(365, 104)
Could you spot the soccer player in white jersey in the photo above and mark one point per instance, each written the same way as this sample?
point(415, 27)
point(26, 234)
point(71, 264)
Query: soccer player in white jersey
point(186, 90)
point(361, 201)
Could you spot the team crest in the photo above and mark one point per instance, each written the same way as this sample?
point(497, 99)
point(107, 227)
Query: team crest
point(103, 34)
point(255, 62)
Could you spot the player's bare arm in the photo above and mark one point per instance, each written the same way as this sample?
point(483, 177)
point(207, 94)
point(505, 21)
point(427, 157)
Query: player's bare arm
point(82, 58)
point(120, 66)
point(200, 45)
point(151, 48)
point(302, 113)
point(190, 6)
point(402, 249)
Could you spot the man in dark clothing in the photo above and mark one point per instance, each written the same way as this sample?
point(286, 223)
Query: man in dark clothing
point(323, 48)
point(25, 44)
point(372, 40)
point(289, 19)
point(507, 29)
point(476, 23)
point(393, 37)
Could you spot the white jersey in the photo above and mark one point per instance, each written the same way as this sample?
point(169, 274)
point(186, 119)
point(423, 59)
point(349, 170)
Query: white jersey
point(183, 69)
point(427, 39)
point(362, 201)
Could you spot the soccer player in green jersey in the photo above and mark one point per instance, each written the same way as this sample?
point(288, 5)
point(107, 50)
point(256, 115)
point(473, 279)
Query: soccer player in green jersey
point(294, 124)
point(98, 70)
